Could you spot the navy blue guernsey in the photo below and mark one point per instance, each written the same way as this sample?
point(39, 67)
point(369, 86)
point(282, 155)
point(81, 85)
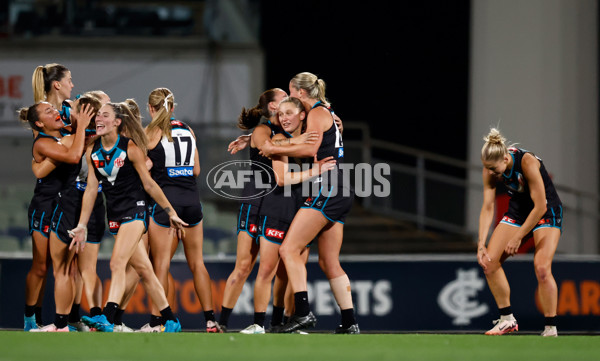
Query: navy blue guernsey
point(173, 165)
point(279, 205)
point(258, 161)
point(120, 181)
point(332, 144)
point(517, 186)
point(47, 188)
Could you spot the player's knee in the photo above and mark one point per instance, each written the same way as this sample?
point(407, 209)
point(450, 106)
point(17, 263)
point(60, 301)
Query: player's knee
point(330, 267)
point(244, 268)
point(542, 272)
point(117, 264)
point(39, 269)
point(490, 267)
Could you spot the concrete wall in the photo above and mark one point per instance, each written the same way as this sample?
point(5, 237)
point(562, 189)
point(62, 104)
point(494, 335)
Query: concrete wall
point(534, 74)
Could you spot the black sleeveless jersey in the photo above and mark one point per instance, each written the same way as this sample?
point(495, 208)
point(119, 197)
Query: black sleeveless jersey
point(517, 186)
point(259, 164)
point(120, 181)
point(173, 165)
point(278, 203)
point(47, 188)
point(332, 144)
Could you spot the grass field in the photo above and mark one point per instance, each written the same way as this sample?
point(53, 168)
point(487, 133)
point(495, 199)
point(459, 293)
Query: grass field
point(16, 345)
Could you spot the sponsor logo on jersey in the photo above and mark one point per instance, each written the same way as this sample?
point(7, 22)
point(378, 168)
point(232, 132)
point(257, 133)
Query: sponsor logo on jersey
point(274, 233)
point(341, 153)
point(99, 163)
point(181, 172)
point(140, 203)
point(119, 162)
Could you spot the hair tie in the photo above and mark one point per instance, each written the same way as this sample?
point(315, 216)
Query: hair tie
point(166, 102)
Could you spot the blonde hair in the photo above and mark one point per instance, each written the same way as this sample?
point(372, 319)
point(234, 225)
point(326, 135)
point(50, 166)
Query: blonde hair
point(314, 87)
point(42, 79)
point(163, 102)
point(131, 125)
point(495, 146)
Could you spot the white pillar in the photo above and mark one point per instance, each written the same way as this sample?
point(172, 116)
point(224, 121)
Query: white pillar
point(534, 74)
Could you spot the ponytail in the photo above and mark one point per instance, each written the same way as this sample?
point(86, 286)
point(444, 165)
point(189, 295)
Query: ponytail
point(249, 118)
point(42, 79)
point(30, 116)
point(163, 102)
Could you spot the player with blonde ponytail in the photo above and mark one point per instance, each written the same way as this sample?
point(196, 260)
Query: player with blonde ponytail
point(534, 207)
point(170, 140)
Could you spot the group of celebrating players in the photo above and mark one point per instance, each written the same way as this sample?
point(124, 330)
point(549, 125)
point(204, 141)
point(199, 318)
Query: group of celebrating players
point(96, 164)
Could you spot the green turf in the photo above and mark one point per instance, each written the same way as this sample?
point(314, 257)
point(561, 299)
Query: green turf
point(16, 345)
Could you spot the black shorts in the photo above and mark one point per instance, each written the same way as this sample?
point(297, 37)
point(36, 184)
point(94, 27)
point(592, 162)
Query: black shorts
point(40, 220)
point(248, 219)
point(191, 215)
point(138, 213)
point(334, 207)
point(66, 218)
point(272, 229)
point(551, 219)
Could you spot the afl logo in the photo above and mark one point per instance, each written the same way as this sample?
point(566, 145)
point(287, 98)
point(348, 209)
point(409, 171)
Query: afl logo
point(229, 179)
point(119, 162)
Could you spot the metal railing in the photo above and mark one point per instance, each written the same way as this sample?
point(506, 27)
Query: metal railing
point(417, 201)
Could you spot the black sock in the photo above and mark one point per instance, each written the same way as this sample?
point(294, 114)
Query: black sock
point(505, 311)
point(74, 314)
point(60, 321)
point(119, 317)
point(277, 317)
point(38, 314)
point(302, 306)
point(259, 318)
point(550, 321)
point(348, 318)
point(167, 314)
point(224, 318)
point(155, 321)
point(209, 315)
point(285, 319)
point(95, 311)
point(109, 311)
point(30, 311)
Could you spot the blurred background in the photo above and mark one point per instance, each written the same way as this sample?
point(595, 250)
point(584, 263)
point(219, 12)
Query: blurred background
point(416, 83)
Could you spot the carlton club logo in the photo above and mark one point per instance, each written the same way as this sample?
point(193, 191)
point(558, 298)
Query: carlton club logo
point(228, 179)
point(458, 298)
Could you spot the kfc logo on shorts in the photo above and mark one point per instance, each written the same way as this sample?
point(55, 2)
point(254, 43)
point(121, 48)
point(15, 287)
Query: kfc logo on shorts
point(46, 229)
point(114, 225)
point(119, 162)
point(308, 201)
point(507, 219)
point(252, 228)
point(274, 233)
